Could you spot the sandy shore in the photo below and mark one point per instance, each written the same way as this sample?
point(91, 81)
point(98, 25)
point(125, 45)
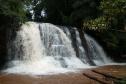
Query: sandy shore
point(67, 78)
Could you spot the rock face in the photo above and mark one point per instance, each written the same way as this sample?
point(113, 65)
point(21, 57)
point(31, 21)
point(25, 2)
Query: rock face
point(2, 47)
point(68, 78)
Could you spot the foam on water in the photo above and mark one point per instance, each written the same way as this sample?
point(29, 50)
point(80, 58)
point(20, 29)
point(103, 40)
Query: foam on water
point(46, 66)
point(43, 48)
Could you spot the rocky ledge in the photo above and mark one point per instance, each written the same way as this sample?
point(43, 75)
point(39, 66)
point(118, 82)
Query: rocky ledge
point(101, 75)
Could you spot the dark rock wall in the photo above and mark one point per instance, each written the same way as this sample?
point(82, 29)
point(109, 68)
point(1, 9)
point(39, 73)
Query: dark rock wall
point(3, 48)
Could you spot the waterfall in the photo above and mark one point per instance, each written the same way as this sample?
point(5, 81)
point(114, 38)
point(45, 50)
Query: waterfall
point(40, 48)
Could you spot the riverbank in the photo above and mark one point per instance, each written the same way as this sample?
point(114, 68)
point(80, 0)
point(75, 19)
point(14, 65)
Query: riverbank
point(98, 75)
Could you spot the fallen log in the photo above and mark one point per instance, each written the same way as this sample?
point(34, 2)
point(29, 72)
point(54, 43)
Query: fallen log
point(94, 78)
point(106, 75)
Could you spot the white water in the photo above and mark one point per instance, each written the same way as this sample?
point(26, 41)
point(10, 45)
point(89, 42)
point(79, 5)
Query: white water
point(46, 49)
point(99, 56)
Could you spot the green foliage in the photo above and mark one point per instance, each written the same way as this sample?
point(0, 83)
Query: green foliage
point(113, 15)
point(113, 7)
point(66, 12)
point(12, 8)
point(13, 13)
point(96, 24)
point(115, 12)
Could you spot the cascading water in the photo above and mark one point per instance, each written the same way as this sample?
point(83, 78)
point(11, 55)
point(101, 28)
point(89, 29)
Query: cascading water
point(99, 56)
point(46, 48)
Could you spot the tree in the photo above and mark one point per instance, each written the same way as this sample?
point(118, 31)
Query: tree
point(113, 16)
point(66, 12)
point(12, 12)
